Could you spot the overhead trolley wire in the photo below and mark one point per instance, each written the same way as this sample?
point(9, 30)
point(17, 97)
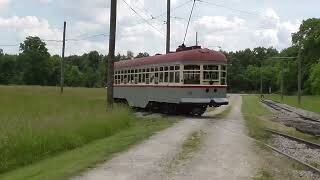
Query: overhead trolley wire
point(143, 18)
point(229, 8)
point(172, 9)
point(9, 45)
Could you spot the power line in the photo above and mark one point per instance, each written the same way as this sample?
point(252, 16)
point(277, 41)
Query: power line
point(143, 18)
point(229, 8)
point(89, 37)
point(9, 45)
point(173, 9)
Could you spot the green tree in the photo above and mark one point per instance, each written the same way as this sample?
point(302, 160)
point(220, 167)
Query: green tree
point(315, 79)
point(94, 59)
point(308, 38)
point(35, 59)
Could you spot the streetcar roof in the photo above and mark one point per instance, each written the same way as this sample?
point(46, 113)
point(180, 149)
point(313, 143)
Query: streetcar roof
point(194, 55)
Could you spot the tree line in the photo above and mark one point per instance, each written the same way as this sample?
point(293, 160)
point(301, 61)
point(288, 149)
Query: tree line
point(35, 66)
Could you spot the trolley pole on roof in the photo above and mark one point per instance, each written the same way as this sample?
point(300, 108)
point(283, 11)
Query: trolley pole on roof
point(62, 57)
point(112, 43)
point(196, 38)
point(168, 27)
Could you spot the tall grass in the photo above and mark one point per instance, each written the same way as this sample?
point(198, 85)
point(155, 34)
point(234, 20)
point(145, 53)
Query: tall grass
point(252, 110)
point(37, 122)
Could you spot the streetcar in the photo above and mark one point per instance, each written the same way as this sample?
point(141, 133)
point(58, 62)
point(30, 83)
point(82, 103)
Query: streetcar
point(186, 81)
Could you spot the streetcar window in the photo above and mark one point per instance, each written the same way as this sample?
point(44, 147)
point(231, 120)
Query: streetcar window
point(177, 77)
point(166, 76)
point(139, 79)
point(161, 68)
point(148, 70)
point(152, 69)
point(224, 68)
point(211, 67)
point(215, 75)
point(191, 77)
point(161, 77)
point(223, 74)
point(136, 71)
point(143, 78)
point(223, 81)
point(152, 78)
point(143, 70)
point(171, 67)
point(191, 67)
point(166, 68)
point(177, 67)
point(171, 76)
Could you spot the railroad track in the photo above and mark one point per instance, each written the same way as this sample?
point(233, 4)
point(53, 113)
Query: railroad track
point(287, 110)
point(299, 140)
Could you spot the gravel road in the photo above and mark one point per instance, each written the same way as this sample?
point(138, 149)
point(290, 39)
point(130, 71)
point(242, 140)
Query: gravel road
point(224, 154)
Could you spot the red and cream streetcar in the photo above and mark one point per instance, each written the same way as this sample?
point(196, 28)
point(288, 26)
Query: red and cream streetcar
point(187, 81)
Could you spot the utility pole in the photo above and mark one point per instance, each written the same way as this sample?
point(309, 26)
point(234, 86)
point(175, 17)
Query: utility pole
point(299, 75)
point(196, 38)
point(261, 79)
point(168, 27)
point(112, 43)
point(62, 59)
point(282, 78)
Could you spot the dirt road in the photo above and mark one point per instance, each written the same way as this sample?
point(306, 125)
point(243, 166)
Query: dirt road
point(224, 154)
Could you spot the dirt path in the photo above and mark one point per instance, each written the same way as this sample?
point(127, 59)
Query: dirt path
point(224, 154)
point(148, 159)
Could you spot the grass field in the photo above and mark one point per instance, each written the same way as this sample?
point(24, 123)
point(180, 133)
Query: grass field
point(38, 123)
point(252, 110)
point(310, 103)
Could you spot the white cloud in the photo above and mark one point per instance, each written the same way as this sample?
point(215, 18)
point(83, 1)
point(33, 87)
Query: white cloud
point(29, 26)
point(45, 1)
point(88, 18)
point(4, 3)
point(220, 23)
point(270, 19)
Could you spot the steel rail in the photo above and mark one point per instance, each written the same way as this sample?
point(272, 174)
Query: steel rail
point(315, 145)
point(278, 108)
point(310, 167)
point(309, 143)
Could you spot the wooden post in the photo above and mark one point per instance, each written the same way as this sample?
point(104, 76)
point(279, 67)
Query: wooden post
point(112, 43)
point(261, 85)
point(168, 27)
point(299, 75)
point(62, 59)
point(282, 78)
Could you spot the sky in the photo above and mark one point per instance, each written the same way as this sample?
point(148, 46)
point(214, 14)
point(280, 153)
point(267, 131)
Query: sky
point(227, 24)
